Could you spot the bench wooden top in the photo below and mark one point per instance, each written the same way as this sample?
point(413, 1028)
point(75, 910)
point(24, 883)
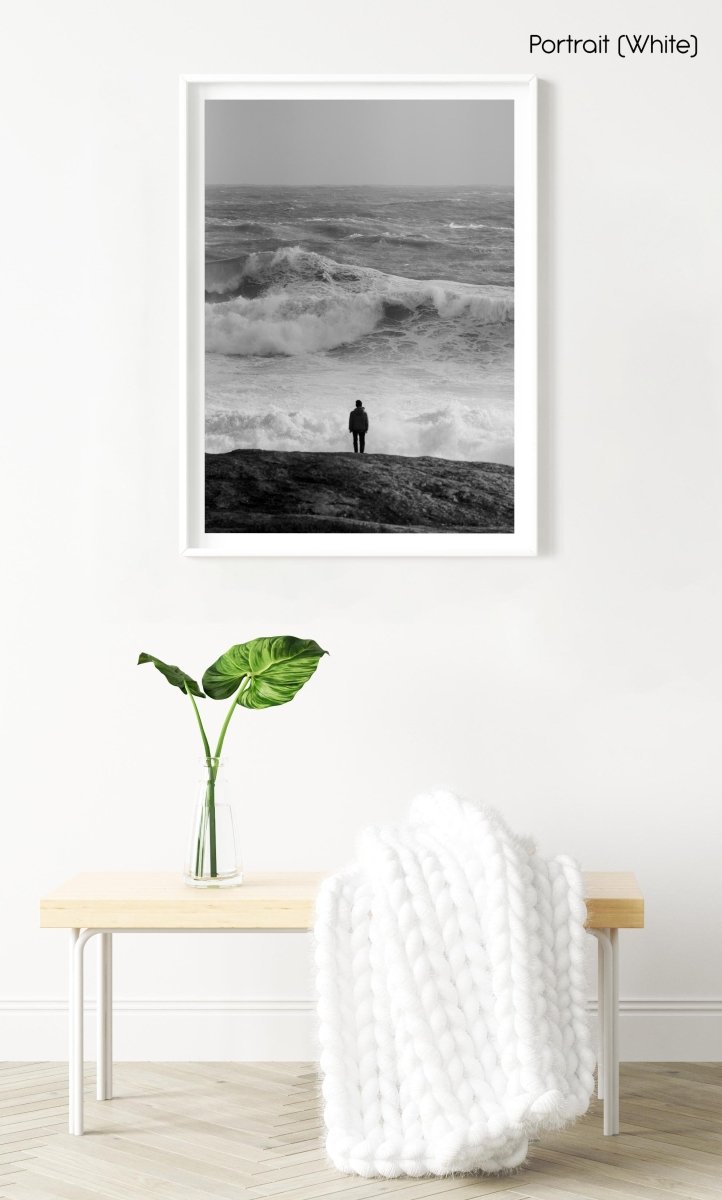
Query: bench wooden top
point(161, 900)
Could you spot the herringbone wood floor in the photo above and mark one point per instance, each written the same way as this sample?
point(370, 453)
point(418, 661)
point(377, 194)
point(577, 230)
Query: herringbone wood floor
point(193, 1131)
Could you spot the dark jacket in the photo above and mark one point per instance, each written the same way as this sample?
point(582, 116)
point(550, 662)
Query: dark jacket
point(358, 421)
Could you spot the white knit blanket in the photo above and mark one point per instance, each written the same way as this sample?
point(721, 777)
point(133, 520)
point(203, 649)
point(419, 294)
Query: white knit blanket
point(451, 996)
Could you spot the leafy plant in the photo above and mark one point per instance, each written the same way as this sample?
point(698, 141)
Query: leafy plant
point(259, 674)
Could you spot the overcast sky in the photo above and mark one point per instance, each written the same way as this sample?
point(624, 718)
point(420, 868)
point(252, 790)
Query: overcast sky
point(469, 142)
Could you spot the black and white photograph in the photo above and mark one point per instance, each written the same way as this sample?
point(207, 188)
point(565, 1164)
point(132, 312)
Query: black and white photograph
point(359, 316)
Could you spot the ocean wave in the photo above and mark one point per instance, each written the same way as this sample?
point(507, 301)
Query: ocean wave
point(241, 226)
point(329, 228)
point(479, 225)
point(293, 301)
point(410, 240)
point(452, 430)
point(354, 220)
point(271, 326)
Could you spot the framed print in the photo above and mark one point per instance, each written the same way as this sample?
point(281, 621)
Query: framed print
point(358, 325)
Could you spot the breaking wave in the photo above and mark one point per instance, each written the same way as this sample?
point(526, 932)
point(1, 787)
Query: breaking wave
point(452, 430)
point(293, 301)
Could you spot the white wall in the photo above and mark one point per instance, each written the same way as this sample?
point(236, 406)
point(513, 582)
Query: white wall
point(579, 691)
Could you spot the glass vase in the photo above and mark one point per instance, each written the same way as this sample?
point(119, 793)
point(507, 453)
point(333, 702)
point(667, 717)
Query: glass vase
point(213, 859)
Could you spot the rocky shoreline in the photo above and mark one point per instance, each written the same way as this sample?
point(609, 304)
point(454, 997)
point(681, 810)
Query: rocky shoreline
point(269, 491)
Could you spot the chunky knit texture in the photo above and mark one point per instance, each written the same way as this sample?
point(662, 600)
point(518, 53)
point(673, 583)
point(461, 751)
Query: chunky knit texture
point(451, 996)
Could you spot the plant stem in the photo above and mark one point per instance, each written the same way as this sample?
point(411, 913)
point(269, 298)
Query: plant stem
point(208, 817)
point(211, 806)
point(206, 745)
point(200, 843)
point(221, 737)
point(213, 765)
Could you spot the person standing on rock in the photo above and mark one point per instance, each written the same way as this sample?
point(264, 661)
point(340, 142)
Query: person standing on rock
point(358, 424)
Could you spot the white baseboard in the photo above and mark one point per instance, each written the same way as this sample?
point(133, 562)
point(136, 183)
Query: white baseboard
point(280, 1029)
point(167, 1029)
point(669, 1030)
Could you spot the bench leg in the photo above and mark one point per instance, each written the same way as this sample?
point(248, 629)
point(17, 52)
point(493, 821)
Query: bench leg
point(72, 1082)
point(608, 990)
point(78, 940)
point(104, 1018)
point(600, 1020)
point(614, 1016)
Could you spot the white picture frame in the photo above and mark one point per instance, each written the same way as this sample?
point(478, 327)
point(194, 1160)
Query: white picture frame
point(194, 91)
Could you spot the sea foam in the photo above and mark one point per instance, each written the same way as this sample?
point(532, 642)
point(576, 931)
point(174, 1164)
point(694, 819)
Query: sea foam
point(449, 430)
point(293, 301)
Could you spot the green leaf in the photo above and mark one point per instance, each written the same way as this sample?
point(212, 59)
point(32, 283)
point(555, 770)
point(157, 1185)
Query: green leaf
point(174, 675)
point(277, 668)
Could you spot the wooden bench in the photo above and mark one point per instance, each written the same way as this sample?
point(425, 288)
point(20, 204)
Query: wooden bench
point(133, 902)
